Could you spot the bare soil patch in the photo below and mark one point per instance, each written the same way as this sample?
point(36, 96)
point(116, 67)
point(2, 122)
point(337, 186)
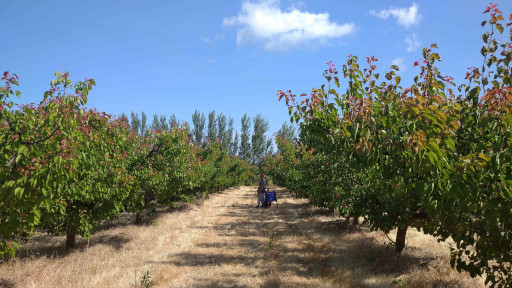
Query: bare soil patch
point(227, 242)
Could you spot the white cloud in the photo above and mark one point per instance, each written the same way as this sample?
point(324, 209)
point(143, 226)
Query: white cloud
point(400, 62)
point(412, 42)
point(298, 5)
point(404, 16)
point(213, 40)
point(265, 21)
point(211, 61)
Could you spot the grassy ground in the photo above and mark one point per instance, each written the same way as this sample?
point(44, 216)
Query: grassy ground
point(226, 242)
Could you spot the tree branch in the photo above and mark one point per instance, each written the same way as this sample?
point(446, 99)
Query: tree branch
point(39, 141)
point(150, 154)
point(360, 183)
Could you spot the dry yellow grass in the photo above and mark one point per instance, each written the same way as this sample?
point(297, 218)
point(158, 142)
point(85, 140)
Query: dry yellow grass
point(226, 242)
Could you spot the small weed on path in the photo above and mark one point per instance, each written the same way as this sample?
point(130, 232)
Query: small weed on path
point(146, 281)
point(271, 234)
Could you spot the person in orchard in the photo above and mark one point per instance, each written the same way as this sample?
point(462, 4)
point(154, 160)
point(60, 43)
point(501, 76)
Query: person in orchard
point(261, 190)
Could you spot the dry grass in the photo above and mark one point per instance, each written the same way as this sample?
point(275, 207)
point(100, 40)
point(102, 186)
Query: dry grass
point(226, 242)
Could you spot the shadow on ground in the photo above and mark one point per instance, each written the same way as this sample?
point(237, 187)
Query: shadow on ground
point(53, 247)
point(295, 238)
point(5, 283)
point(50, 246)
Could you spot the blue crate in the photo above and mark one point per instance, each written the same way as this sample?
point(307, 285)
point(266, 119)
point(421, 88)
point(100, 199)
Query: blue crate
point(271, 196)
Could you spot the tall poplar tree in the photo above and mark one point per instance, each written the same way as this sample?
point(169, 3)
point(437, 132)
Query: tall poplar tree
point(228, 139)
point(222, 125)
point(234, 144)
point(245, 144)
point(143, 123)
point(287, 131)
point(124, 117)
point(135, 123)
point(164, 125)
point(259, 142)
point(155, 125)
point(212, 126)
point(173, 121)
point(199, 121)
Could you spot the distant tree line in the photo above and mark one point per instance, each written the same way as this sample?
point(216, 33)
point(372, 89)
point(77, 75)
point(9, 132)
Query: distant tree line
point(250, 144)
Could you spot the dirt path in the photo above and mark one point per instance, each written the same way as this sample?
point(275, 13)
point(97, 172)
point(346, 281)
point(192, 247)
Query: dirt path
point(226, 242)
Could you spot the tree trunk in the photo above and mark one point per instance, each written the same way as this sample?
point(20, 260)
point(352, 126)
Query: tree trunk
point(70, 240)
point(138, 218)
point(356, 220)
point(400, 239)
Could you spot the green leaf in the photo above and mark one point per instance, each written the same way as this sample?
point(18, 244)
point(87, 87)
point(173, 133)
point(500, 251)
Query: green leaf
point(434, 147)
point(506, 192)
point(432, 157)
point(485, 157)
point(337, 81)
point(450, 143)
point(430, 116)
point(485, 81)
point(18, 192)
point(483, 51)
point(436, 56)
point(22, 149)
point(474, 92)
point(37, 215)
point(499, 27)
point(496, 84)
point(485, 36)
point(441, 84)
point(488, 62)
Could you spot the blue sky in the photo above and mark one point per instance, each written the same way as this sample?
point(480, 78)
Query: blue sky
point(173, 57)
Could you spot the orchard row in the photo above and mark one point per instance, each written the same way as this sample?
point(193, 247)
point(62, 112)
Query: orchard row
point(65, 168)
point(430, 156)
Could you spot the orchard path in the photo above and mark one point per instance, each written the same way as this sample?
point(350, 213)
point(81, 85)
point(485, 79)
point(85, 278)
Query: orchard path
point(227, 242)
